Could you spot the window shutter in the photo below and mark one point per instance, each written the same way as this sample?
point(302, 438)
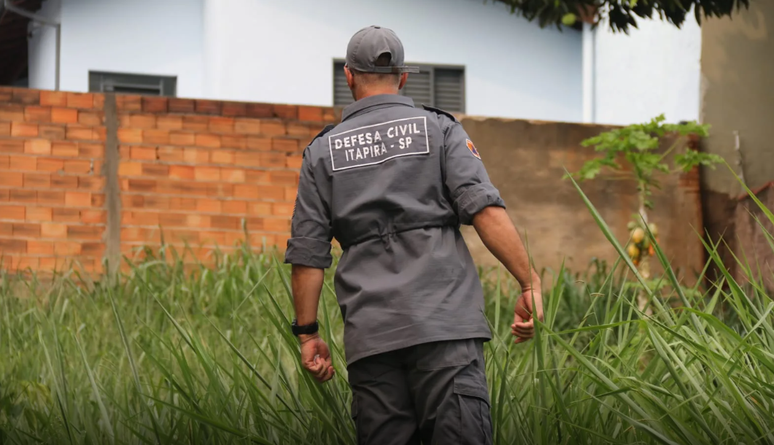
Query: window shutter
point(449, 90)
point(132, 84)
point(341, 94)
point(419, 88)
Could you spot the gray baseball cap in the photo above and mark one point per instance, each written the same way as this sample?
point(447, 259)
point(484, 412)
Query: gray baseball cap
point(369, 43)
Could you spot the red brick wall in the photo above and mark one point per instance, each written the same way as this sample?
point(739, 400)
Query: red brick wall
point(199, 172)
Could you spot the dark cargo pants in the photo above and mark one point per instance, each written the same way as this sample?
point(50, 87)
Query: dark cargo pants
point(434, 393)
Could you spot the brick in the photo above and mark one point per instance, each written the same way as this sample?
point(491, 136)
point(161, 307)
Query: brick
point(21, 129)
point(37, 180)
point(207, 106)
point(78, 199)
point(222, 157)
point(208, 140)
point(199, 124)
point(284, 145)
point(4, 162)
point(53, 230)
point(181, 138)
point(271, 192)
point(181, 105)
point(260, 144)
point(80, 100)
point(124, 152)
point(27, 263)
point(290, 193)
point(155, 169)
point(35, 247)
point(125, 102)
point(169, 122)
point(64, 115)
point(181, 172)
point(257, 176)
point(100, 134)
point(142, 185)
point(64, 182)
point(5, 128)
point(207, 173)
point(92, 249)
point(144, 121)
point(258, 208)
point(184, 204)
point(196, 156)
point(49, 197)
point(39, 214)
point(155, 136)
point(273, 128)
point(224, 222)
point(99, 101)
point(67, 215)
point(77, 166)
point(53, 98)
point(235, 207)
point(129, 135)
point(86, 150)
point(145, 218)
point(198, 221)
point(282, 209)
point(11, 146)
point(314, 114)
point(232, 175)
point(172, 219)
point(283, 178)
point(22, 163)
point(144, 153)
point(51, 132)
point(234, 109)
point(23, 195)
point(294, 162)
point(91, 183)
point(90, 119)
point(49, 264)
point(84, 232)
point(155, 104)
point(132, 201)
point(170, 154)
point(6, 229)
point(220, 190)
point(13, 246)
point(260, 110)
point(208, 205)
point(37, 114)
point(218, 124)
point(26, 97)
point(93, 216)
point(79, 133)
point(12, 212)
point(12, 113)
point(274, 160)
point(237, 141)
point(68, 149)
point(297, 129)
point(247, 126)
point(276, 224)
point(67, 248)
point(286, 111)
point(247, 159)
point(37, 147)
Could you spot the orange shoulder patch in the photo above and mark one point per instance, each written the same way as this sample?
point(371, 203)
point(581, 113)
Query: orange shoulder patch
point(472, 148)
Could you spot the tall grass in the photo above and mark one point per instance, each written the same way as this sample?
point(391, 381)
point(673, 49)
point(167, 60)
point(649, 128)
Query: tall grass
point(172, 354)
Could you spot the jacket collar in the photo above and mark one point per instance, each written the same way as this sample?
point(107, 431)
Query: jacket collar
point(375, 101)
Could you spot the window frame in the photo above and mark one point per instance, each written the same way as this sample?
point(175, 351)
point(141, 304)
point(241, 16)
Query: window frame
point(107, 81)
point(431, 67)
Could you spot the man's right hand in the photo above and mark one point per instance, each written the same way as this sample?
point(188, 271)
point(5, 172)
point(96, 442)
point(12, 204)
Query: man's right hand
point(316, 357)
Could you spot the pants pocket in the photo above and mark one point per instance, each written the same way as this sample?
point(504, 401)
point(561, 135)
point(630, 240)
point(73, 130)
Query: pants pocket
point(475, 423)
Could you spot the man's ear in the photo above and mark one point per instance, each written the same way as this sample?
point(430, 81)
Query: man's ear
point(403, 79)
point(350, 78)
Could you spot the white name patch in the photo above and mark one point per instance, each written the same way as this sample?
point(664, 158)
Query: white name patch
point(377, 143)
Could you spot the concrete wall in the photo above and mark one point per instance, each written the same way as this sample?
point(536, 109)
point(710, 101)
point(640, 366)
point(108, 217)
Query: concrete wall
point(139, 37)
point(652, 70)
point(526, 161)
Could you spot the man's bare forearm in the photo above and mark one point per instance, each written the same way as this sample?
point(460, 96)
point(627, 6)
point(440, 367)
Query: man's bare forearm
point(307, 284)
point(502, 239)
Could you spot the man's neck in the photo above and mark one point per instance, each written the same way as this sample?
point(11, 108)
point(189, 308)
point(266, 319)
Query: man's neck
point(375, 92)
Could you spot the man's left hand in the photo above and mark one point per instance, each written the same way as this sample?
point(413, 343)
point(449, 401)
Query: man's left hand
point(523, 325)
point(316, 357)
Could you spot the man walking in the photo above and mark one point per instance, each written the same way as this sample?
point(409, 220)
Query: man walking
point(392, 183)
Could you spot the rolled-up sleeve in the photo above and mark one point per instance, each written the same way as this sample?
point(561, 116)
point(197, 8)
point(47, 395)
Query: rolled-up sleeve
point(466, 178)
point(310, 232)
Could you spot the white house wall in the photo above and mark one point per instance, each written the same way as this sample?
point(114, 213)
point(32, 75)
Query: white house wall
point(283, 51)
point(653, 70)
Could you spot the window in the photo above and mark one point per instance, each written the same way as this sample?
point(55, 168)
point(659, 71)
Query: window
point(101, 82)
point(437, 86)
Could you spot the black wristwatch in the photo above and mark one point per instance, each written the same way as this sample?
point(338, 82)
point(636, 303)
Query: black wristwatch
point(307, 329)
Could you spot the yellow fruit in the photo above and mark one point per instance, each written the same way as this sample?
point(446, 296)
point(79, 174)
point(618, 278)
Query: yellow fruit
point(638, 235)
point(653, 229)
point(633, 251)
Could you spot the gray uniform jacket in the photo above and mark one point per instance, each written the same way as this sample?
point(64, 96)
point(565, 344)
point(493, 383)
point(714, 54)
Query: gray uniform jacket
point(392, 183)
